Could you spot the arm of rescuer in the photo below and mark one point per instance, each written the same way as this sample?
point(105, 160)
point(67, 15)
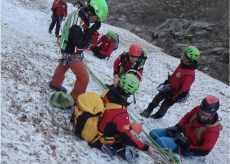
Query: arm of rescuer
point(98, 42)
point(109, 50)
point(123, 129)
point(81, 40)
point(186, 83)
point(209, 137)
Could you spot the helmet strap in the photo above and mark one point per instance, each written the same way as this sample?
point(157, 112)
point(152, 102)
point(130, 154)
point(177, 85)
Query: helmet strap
point(211, 117)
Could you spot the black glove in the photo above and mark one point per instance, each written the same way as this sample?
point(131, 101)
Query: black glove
point(170, 100)
point(171, 131)
point(181, 142)
point(96, 26)
point(96, 50)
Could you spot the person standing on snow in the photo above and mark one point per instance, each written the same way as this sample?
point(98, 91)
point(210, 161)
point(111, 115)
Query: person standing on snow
point(176, 87)
point(129, 62)
point(106, 47)
point(59, 11)
point(114, 127)
point(74, 39)
point(196, 133)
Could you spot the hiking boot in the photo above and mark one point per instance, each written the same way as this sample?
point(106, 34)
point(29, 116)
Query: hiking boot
point(50, 31)
point(146, 113)
point(156, 116)
point(57, 89)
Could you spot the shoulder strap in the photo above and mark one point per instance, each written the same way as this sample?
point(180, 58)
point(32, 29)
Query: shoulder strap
point(199, 131)
point(193, 118)
point(109, 106)
point(122, 63)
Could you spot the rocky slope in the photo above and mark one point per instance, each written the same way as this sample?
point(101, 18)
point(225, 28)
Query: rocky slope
point(172, 25)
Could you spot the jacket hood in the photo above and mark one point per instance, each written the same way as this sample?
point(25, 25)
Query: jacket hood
point(115, 97)
point(193, 65)
point(83, 16)
point(212, 121)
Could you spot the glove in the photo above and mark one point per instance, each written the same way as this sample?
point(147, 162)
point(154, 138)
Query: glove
point(96, 50)
point(172, 131)
point(116, 80)
point(181, 142)
point(170, 100)
point(96, 26)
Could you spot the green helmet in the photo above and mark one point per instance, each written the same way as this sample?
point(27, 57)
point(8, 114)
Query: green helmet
point(192, 53)
point(129, 83)
point(100, 7)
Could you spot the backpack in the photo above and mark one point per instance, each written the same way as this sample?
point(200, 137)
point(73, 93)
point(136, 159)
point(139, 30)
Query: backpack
point(61, 100)
point(139, 63)
point(116, 41)
point(202, 128)
point(87, 114)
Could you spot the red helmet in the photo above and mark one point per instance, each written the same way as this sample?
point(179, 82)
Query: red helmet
point(135, 49)
point(210, 104)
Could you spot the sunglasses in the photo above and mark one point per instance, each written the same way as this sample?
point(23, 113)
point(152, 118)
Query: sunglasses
point(133, 56)
point(202, 114)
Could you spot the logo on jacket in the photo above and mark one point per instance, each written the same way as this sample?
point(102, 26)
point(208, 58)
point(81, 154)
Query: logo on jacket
point(178, 74)
point(126, 127)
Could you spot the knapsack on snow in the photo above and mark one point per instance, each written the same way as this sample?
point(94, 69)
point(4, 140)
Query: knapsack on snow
point(61, 100)
point(87, 114)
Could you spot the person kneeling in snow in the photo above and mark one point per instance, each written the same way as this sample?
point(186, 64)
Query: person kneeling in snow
point(176, 88)
point(114, 126)
point(106, 47)
point(129, 62)
point(196, 133)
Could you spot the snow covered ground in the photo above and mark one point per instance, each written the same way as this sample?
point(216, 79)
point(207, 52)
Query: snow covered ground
point(32, 131)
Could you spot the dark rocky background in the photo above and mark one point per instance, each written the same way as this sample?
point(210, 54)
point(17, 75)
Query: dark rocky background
point(175, 24)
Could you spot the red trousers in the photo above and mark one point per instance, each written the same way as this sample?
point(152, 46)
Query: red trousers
point(81, 73)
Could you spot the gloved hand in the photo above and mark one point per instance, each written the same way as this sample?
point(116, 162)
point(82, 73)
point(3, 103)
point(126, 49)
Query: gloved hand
point(170, 100)
point(96, 50)
point(116, 80)
point(181, 142)
point(171, 131)
point(96, 26)
point(151, 152)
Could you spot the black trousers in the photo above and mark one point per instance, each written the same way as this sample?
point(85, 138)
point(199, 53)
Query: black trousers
point(165, 104)
point(56, 20)
point(96, 51)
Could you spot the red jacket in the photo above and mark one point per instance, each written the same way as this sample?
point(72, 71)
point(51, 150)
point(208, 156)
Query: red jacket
point(128, 65)
point(60, 10)
point(106, 48)
point(116, 121)
point(181, 80)
point(209, 136)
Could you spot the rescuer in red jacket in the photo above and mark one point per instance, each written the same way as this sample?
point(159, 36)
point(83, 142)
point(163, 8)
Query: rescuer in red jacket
point(114, 126)
point(176, 88)
point(59, 11)
point(196, 133)
point(106, 46)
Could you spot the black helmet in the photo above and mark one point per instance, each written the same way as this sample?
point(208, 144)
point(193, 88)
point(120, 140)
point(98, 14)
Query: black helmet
point(210, 104)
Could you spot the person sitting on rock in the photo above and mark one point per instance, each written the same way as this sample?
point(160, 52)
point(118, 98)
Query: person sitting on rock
point(196, 133)
point(106, 47)
point(176, 87)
